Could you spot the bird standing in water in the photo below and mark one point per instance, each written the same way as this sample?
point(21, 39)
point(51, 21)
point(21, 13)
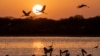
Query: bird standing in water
point(83, 52)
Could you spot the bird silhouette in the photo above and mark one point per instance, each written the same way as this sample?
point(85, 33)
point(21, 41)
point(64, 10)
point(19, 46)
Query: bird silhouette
point(83, 51)
point(42, 10)
point(96, 46)
point(26, 13)
point(82, 5)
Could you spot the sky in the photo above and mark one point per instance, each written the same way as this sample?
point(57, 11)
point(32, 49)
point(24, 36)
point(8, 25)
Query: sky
point(55, 9)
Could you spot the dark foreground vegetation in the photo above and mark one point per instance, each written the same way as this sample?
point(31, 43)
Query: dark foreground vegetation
point(72, 26)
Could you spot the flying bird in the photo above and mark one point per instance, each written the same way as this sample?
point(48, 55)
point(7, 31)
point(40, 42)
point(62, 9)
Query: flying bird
point(42, 10)
point(82, 5)
point(26, 13)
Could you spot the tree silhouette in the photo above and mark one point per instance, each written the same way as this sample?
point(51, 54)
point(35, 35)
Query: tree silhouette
point(73, 26)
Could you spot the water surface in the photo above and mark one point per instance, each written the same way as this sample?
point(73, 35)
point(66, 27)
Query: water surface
point(26, 46)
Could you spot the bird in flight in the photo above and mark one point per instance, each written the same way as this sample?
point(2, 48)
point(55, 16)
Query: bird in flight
point(26, 13)
point(82, 5)
point(42, 10)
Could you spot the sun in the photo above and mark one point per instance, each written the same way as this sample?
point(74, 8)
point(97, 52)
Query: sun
point(36, 8)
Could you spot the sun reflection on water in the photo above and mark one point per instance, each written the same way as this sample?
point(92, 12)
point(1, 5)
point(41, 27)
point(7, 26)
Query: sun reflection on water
point(38, 44)
point(35, 46)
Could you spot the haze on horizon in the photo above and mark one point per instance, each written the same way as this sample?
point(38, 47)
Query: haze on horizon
point(55, 8)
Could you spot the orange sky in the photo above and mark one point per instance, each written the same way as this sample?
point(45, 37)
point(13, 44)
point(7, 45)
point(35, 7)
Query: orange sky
point(55, 8)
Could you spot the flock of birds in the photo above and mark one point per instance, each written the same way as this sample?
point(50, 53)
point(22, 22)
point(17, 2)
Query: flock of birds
point(28, 13)
point(43, 9)
point(84, 52)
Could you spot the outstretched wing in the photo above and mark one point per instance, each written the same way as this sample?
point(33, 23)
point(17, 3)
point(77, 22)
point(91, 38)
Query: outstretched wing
point(43, 8)
point(78, 7)
point(84, 5)
point(24, 12)
point(29, 12)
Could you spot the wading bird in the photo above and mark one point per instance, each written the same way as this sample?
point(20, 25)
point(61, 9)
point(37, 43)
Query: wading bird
point(83, 52)
point(42, 10)
point(82, 5)
point(26, 13)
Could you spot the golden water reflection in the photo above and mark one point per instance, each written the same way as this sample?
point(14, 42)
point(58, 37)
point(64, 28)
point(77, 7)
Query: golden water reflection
point(44, 42)
point(29, 46)
point(38, 44)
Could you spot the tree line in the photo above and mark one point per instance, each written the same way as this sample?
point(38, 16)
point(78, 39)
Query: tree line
point(73, 26)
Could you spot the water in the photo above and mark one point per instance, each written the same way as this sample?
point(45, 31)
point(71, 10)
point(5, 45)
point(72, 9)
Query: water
point(26, 46)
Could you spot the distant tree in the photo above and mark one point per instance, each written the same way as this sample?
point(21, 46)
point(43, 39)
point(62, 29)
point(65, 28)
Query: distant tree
point(74, 26)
